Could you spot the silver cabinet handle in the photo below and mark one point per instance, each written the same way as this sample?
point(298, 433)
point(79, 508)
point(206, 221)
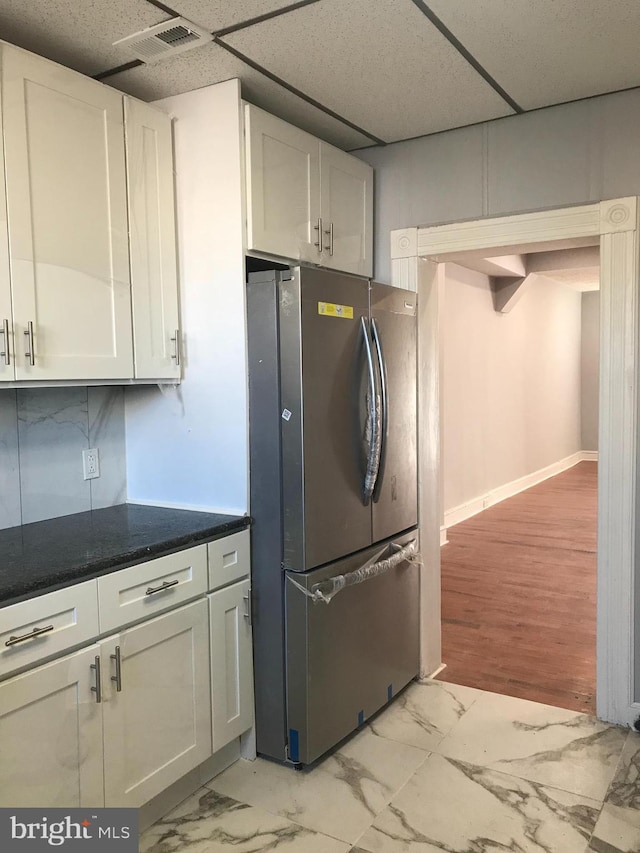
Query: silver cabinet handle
point(153, 589)
point(98, 688)
point(329, 232)
point(248, 610)
point(118, 676)
point(318, 228)
point(4, 331)
point(29, 350)
point(175, 340)
point(35, 633)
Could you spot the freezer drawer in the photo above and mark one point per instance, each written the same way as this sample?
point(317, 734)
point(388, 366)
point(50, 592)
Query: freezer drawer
point(346, 659)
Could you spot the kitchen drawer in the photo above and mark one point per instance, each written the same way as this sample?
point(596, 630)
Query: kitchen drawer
point(66, 618)
point(149, 588)
point(229, 559)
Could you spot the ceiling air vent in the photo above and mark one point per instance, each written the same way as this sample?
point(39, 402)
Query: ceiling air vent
point(165, 40)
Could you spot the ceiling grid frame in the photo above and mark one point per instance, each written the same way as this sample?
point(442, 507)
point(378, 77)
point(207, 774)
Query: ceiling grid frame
point(456, 23)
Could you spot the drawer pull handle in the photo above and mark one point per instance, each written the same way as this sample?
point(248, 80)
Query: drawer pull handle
point(153, 589)
point(35, 633)
point(118, 676)
point(98, 688)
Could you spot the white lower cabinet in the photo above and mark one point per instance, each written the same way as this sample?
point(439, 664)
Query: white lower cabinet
point(51, 735)
point(157, 727)
point(121, 720)
point(231, 662)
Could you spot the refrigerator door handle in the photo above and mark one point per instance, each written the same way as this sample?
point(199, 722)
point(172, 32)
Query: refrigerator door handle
point(384, 429)
point(373, 426)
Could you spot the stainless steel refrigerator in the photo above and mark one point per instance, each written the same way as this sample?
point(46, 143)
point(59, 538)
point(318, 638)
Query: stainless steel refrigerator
point(332, 411)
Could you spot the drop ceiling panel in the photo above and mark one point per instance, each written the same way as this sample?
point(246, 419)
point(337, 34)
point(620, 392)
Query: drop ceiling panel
point(549, 51)
point(213, 64)
point(382, 65)
point(219, 14)
point(76, 34)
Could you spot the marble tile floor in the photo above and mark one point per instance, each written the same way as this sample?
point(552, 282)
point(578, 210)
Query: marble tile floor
point(446, 768)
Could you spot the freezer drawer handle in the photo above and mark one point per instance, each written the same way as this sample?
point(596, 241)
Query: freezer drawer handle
point(35, 633)
point(326, 590)
point(151, 590)
point(372, 430)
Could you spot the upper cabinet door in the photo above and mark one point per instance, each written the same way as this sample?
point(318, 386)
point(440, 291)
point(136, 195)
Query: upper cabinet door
point(283, 182)
point(346, 207)
point(7, 359)
point(68, 235)
point(154, 281)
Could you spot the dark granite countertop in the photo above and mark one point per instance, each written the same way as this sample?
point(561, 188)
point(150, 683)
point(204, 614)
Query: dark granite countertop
point(47, 555)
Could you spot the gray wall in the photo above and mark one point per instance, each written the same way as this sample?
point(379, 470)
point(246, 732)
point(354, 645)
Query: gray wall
point(43, 432)
point(511, 383)
point(577, 153)
point(590, 356)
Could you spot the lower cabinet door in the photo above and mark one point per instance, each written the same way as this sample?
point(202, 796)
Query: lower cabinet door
point(231, 662)
point(51, 736)
point(157, 725)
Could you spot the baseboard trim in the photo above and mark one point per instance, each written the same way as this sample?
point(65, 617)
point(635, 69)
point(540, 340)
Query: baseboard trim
point(470, 508)
point(436, 672)
point(443, 536)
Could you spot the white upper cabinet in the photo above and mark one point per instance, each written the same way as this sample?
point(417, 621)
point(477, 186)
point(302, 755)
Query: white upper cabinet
point(306, 200)
point(152, 231)
point(346, 207)
point(283, 188)
point(7, 360)
point(68, 234)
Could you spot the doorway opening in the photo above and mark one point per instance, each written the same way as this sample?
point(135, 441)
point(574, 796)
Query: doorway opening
point(418, 258)
point(519, 356)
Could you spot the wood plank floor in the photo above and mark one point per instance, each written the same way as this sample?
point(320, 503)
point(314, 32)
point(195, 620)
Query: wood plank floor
point(519, 594)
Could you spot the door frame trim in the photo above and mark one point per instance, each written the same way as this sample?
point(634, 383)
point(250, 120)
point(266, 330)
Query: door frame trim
point(418, 256)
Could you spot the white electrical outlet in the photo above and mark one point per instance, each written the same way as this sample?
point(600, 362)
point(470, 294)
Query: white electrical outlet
point(91, 463)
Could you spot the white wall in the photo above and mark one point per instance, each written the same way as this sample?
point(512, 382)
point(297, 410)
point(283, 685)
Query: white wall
point(511, 383)
point(571, 154)
point(187, 445)
point(590, 355)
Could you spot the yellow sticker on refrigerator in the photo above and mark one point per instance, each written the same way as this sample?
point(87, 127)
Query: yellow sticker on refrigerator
point(330, 309)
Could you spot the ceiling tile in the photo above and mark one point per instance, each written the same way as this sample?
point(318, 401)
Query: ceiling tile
point(547, 52)
point(213, 64)
point(219, 14)
point(76, 34)
point(381, 65)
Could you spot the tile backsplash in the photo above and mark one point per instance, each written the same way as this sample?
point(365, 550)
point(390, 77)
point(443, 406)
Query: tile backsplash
point(43, 432)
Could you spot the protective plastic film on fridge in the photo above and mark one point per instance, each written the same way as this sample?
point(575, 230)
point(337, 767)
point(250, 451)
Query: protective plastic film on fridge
point(332, 396)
